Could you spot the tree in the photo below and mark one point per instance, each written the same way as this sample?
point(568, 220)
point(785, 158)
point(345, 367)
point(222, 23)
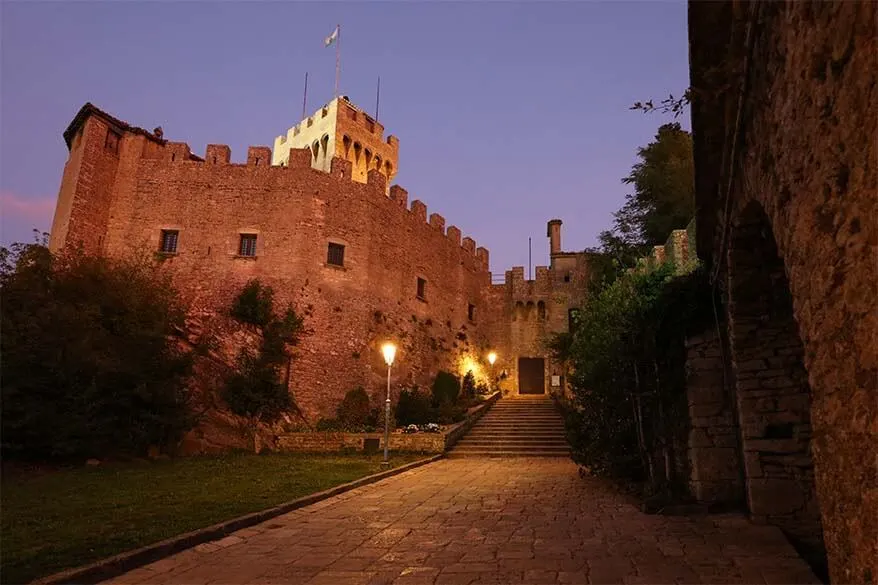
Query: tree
point(91, 367)
point(664, 188)
point(256, 390)
point(663, 198)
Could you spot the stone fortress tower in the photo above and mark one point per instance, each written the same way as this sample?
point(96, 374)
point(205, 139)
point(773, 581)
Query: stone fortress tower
point(341, 129)
point(526, 314)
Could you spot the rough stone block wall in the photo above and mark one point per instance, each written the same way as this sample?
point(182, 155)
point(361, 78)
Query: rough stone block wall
point(714, 453)
point(804, 151)
point(330, 442)
point(121, 204)
point(774, 399)
point(525, 314)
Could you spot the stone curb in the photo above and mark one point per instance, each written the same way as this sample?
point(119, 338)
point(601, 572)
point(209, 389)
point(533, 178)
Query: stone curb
point(127, 561)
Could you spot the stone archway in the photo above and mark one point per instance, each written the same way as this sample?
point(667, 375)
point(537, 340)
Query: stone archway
point(771, 384)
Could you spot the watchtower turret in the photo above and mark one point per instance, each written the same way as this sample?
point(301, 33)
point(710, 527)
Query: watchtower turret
point(342, 129)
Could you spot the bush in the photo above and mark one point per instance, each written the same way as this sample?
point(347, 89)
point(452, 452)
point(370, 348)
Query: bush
point(468, 387)
point(628, 359)
point(254, 304)
point(255, 390)
point(446, 389)
point(329, 424)
point(413, 408)
point(90, 368)
point(354, 410)
point(448, 413)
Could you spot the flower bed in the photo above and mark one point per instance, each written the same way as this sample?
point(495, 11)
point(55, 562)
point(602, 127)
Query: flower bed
point(400, 440)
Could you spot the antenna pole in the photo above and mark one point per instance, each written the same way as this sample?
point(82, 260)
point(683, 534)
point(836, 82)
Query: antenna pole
point(305, 97)
point(337, 58)
point(528, 259)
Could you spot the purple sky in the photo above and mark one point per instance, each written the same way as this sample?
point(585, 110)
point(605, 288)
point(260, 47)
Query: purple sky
point(508, 113)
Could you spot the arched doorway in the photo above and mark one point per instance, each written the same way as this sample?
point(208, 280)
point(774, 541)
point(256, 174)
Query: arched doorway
point(771, 385)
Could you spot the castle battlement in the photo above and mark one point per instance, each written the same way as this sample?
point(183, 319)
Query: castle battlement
point(159, 151)
point(341, 129)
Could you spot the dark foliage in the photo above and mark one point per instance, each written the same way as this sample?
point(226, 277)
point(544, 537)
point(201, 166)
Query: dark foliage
point(446, 389)
point(628, 357)
point(414, 408)
point(254, 305)
point(90, 367)
point(256, 389)
point(468, 388)
point(663, 200)
point(355, 410)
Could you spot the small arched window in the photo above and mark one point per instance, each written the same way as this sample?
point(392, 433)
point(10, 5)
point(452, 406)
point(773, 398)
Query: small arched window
point(541, 310)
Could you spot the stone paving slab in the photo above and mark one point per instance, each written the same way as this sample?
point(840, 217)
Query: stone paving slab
point(502, 521)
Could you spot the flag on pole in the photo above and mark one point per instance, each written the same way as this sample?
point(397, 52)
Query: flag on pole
point(331, 38)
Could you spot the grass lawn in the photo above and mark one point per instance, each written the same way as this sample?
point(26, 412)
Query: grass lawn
point(72, 517)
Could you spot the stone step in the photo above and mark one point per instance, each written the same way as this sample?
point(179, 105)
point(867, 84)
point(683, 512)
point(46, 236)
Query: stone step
point(457, 453)
point(515, 447)
point(511, 444)
point(521, 427)
point(559, 428)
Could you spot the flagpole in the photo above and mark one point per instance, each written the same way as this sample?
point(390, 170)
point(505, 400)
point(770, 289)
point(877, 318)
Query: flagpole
point(305, 97)
point(337, 58)
point(377, 98)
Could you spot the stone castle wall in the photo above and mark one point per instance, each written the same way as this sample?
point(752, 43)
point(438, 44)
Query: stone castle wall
point(116, 201)
point(786, 94)
point(528, 313)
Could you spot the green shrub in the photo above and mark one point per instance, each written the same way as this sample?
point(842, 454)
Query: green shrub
point(329, 424)
point(446, 389)
point(628, 374)
point(413, 408)
point(468, 387)
point(448, 413)
point(90, 366)
point(254, 304)
point(354, 410)
point(255, 390)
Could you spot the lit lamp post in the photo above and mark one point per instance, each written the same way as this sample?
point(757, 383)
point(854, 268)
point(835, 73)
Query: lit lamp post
point(389, 351)
point(492, 357)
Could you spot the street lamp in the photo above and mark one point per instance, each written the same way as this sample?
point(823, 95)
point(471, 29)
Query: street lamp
point(389, 351)
point(492, 357)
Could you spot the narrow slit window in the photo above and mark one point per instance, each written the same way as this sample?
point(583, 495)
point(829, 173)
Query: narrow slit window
point(335, 254)
point(471, 313)
point(111, 143)
point(248, 245)
point(422, 289)
point(169, 241)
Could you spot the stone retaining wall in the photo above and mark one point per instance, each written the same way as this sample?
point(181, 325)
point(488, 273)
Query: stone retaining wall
point(332, 441)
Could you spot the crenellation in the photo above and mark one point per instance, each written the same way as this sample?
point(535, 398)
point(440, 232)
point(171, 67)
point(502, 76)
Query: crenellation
point(437, 222)
point(377, 179)
point(419, 211)
point(454, 235)
point(469, 245)
point(399, 195)
point(218, 154)
point(259, 156)
point(177, 152)
point(299, 158)
point(482, 255)
point(341, 168)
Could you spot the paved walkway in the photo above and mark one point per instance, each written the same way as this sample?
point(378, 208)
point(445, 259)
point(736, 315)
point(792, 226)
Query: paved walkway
point(485, 521)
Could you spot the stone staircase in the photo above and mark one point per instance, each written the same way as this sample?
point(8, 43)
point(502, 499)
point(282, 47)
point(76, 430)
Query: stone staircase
point(525, 426)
